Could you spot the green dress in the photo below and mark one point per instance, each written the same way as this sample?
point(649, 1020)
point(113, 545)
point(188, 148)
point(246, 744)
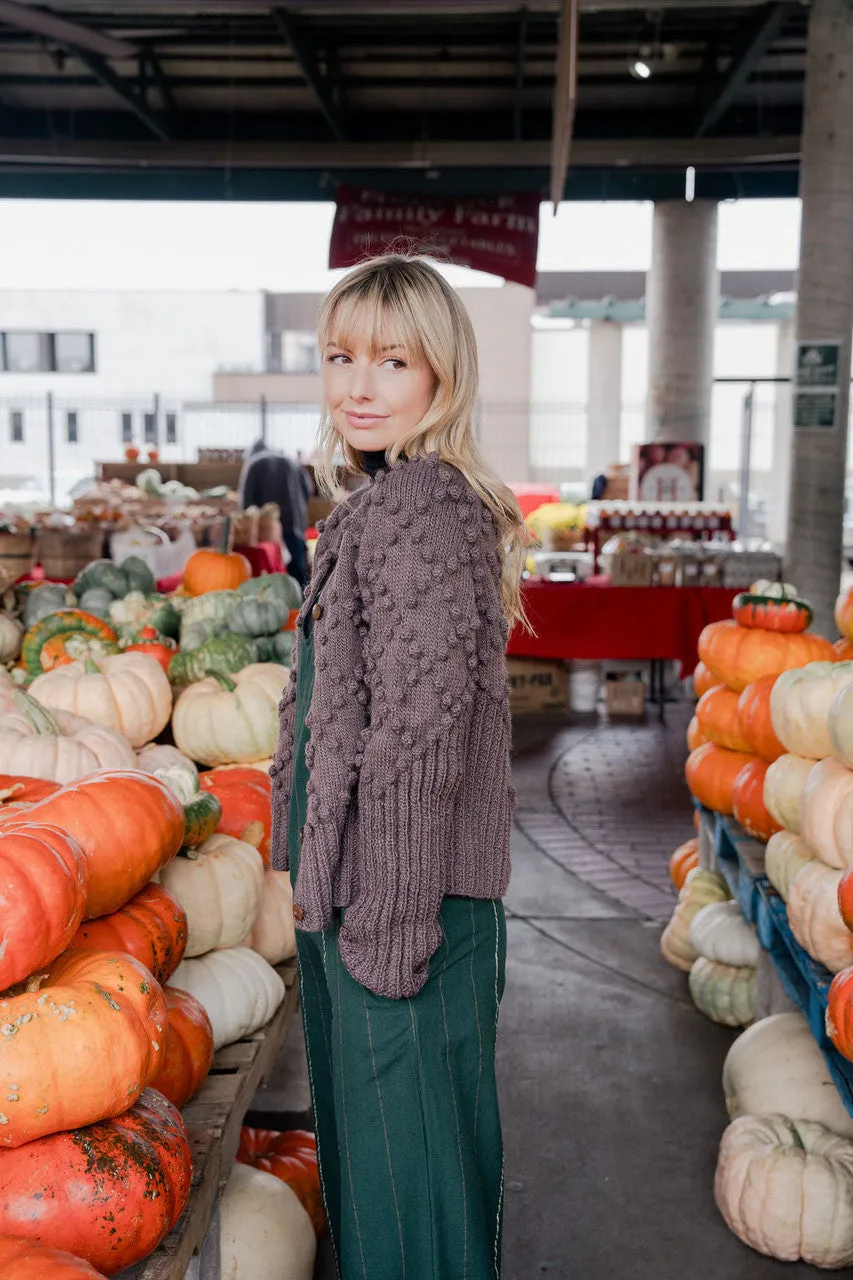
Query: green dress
point(403, 1091)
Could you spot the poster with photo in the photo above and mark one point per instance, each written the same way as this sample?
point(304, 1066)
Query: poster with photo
point(670, 472)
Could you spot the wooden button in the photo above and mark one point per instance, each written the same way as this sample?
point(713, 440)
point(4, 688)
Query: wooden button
point(317, 612)
point(298, 913)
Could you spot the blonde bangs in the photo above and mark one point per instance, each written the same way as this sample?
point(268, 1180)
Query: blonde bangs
point(364, 316)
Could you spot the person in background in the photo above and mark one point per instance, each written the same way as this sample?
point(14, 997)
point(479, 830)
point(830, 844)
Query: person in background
point(268, 476)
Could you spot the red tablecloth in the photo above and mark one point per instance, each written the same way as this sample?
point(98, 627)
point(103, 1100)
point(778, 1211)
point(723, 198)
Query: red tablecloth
point(596, 620)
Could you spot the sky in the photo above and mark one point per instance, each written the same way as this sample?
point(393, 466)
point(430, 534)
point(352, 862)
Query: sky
point(66, 244)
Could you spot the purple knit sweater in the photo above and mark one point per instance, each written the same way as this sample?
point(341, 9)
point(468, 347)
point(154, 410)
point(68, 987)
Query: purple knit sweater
point(409, 796)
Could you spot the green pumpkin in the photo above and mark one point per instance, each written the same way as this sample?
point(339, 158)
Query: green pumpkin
point(96, 600)
point(43, 600)
point(221, 655)
point(202, 818)
point(278, 585)
point(85, 635)
point(277, 648)
point(136, 611)
point(258, 615)
point(102, 573)
point(139, 576)
point(213, 606)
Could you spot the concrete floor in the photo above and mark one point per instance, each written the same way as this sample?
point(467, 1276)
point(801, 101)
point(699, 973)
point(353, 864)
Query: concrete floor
point(610, 1079)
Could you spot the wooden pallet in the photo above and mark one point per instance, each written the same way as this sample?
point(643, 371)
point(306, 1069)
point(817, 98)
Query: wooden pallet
point(214, 1118)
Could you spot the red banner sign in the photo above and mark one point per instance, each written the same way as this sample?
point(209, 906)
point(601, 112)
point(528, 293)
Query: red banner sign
point(498, 234)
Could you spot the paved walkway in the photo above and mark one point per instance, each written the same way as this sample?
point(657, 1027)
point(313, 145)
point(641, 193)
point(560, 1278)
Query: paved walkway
point(610, 1079)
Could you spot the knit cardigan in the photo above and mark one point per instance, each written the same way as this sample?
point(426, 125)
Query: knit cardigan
point(409, 796)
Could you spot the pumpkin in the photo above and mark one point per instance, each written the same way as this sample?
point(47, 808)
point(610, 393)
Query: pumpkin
point(237, 988)
point(220, 655)
point(128, 824)
point(843, 651)
point(206, 612)
point(696, 736)
point(839, 1012)
point(129, 692)
point(152, 927)
point(261, 614)
point(22, 1259)
point(771, 606)
point(756, 722)
point(277, 648)
point(220, 890)
point(845, 897)
point(273, 935)
point(96, 600)
point(685, 858)
point(711, 774)
point(26, 790)
point(840, 722)
point(748, 801)
point(11, 635)
point(800, 705)
point(222, 720)
point(291, 1157)
point(776, 1066)
point(785, 1189)
point(172, 767)
point(108, 1193)
point(58, 746)
point(280, 586)
point(44, 882)
point(265, 1233)
point(189, 1049)
point(784, 858)
point(719, 717)
point(246, 799)
point(48, 642)
point(815, 917)
point(783, 787)
point(79, 1044)
point(739, 656)
point(46, 598)
point(719, 932)
point(138, 612)
point(724, 993)
point(824, 814)
point(149, 641)
point(703, 680)
point(699, 889)
point(133, 574)
point(844, 613)
point(211, 570)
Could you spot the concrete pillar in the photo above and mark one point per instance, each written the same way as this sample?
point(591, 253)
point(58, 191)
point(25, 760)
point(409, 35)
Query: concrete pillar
point(780, 464)
point(682, 303)
point(824, 303)
point(604, 396)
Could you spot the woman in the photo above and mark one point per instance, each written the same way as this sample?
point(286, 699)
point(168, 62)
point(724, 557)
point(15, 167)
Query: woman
point(391, 784)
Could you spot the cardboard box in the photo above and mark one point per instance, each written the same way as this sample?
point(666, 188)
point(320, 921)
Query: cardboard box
point(625, 697)
point(631, 569)
point(537, 687)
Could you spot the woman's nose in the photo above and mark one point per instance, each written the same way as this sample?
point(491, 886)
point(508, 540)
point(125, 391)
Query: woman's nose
point(361, 387)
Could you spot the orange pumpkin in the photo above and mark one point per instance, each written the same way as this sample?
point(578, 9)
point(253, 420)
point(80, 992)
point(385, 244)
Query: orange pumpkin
point(246, 799)
point(152, 926)
point(711, 773)
point(748, 801)
point(189, 1048)
point(211, 570)
point(839, 1012)
point(24, 790)
point(739, 656)
point(292, 1157)
point(719, 717)
point(682, 862)
point(845, 898)
point(843, 651)
point(22, 1259)
point(702, 680)
point(754, 707)
point(696, 735)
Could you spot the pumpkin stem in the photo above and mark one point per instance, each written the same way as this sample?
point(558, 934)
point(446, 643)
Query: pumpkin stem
point(795, 1134)
point(39, 718)
point(226, 535)
point(224, 681)
point(92, 668)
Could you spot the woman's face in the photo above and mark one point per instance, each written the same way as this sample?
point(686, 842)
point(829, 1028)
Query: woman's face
point(378, 398)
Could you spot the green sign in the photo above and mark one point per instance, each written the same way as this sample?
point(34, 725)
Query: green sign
point(816, 386)
point(814, 410)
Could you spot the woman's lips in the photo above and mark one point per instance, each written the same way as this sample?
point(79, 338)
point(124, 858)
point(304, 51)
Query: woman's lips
point(364, 419)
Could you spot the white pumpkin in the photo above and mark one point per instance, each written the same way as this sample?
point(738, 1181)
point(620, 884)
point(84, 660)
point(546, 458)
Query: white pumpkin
point(725, 993)
point(700, 888)
point(237, 987)
point(719, 932)
point(829, 784)
point(785, 1188)
point(841, 726)
point(11, 635)
point(273, 935)
point(783, 786)
point(172, 767)
point(220, 891)
point(776, 1066)
point(127, 691)
point(815, 918)
point(784, 858)
point(231, 720)
point(265, 1232)
point(57, 746)
point(800, 704)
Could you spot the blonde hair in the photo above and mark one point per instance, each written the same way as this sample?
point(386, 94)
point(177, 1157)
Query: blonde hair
point(406, 297)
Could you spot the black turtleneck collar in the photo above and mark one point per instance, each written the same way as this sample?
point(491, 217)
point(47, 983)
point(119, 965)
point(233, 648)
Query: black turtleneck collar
point(373, 460)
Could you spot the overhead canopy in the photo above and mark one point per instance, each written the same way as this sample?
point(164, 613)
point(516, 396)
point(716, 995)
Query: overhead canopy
point(231, 99)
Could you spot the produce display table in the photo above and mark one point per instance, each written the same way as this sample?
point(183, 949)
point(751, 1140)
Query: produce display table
point(264, 557)
point(595, 620)
point(214, 1118)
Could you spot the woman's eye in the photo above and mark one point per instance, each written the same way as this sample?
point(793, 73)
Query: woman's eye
point(396, 364)
point(337, 359)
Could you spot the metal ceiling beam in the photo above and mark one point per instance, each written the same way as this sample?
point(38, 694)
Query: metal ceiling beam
point(520, 60)
point(760, 35)
point(156, 121)
point(41, 22)
point(565, 97)
point(162, 82)
point(313, 76)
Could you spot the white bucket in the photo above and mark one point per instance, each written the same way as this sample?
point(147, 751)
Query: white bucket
point(584, 686)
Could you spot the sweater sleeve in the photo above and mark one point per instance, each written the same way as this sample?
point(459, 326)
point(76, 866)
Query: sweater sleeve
point(421, 613)
point(281, 773)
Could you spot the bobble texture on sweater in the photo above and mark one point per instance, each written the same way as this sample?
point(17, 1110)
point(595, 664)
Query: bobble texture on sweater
point(409, 797)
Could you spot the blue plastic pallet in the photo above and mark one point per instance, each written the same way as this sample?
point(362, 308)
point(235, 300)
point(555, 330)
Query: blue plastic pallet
point(741, 863)
point(805, 981)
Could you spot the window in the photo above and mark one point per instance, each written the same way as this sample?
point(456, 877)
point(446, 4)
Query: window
point(150, 428)
point(299, 352)
point(74, 352)
point(127, 428)
point(16, 426)
point(71, 427)
point(27, 353)
point(171, 428)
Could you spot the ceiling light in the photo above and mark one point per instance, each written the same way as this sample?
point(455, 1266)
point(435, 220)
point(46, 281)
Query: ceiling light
point(640, 69)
